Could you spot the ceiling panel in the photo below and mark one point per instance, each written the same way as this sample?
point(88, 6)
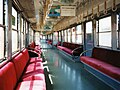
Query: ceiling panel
point(28, 7)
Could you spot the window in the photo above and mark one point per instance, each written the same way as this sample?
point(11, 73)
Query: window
point(63, 36)
point(25, 29)
point(1, 31)
point(60, 36)
point(37, 37)
point(43, 37)
point(1, 42)
point(14, 18)
point(14, 30)
point(118, 31)
point(50, 36)
point(55, 38)
point(31, 35)
point(22, 32)
point(69, 35)
point(79, 34)
point(1, 11)
point(73, 35)
point(14, 40)
point(105, 32)
point(66, 38)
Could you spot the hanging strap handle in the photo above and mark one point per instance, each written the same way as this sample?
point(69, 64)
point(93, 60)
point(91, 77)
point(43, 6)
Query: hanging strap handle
point(87, 10)
point(98, 12)
point(92, 16)
point(105, 7)
point(114, 8)
point(83, 12)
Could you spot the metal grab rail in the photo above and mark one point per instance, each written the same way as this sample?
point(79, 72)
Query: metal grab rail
point(74, 51)
point(85, 52)
point(30, 48)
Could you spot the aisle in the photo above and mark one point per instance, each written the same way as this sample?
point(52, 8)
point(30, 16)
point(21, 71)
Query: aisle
point(67, 75)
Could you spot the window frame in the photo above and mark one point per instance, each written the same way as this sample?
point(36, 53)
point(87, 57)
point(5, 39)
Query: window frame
point(79, 34)
point(73, 30)
point(2, 25)
point(118, 30)
point(13, 29)
point(98, 32)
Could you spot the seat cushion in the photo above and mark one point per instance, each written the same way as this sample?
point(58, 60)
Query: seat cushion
point(104, 67)
point(33, 76)
point(67, 50)
point(34, 60)
point(35, 67)
point(60, 47)
point(8, 77)
point(32, 85)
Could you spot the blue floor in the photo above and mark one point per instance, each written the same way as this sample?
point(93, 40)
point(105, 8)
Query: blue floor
point(67, 75)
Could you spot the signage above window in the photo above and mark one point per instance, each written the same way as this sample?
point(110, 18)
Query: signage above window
point(68, 10)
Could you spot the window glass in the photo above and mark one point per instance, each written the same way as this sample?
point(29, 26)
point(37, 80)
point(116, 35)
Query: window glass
point(14, 18)
point(89, 37)
point(73, 35)
point(26, 27)
point(118, 31)
point(79, 34)
point(55, 38)
point(65, 35)
point(1, 42)
point(69, 35)
point(105, 39)
point(117, 21)
point(79, 30)
point(105, 24)
point(1, 31)
point(89, 27)
point(59, 36)
point(79, 39)
point(14, 30)
point(96, 26)
point(31, 35)
point(22, 40)
point(43, 37)
point(14, 41)
point(1, 11)
point(105, 32)
point(22, 32)
point(37, 37)
point(22, 24)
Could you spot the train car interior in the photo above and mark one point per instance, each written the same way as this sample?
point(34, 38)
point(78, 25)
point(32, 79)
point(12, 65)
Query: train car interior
point(59, 44)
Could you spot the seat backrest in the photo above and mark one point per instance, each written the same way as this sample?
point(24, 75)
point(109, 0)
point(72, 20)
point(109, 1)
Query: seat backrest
point(26, 54)
point(20, 62)
point(8, 77)
point(106, 55)
point(65, 44)
point(71, 45)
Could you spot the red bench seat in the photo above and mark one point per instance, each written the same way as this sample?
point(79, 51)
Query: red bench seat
point(70, 47)
point(105, 64)
point(104, 67)
point(8, 78)
point(23, 73)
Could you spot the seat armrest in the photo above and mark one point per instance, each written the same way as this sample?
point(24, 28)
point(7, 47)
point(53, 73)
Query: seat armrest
point(76, 50)
point(33, 54)
point(81, 54)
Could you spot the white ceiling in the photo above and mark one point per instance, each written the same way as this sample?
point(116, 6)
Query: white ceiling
point(37, 10)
